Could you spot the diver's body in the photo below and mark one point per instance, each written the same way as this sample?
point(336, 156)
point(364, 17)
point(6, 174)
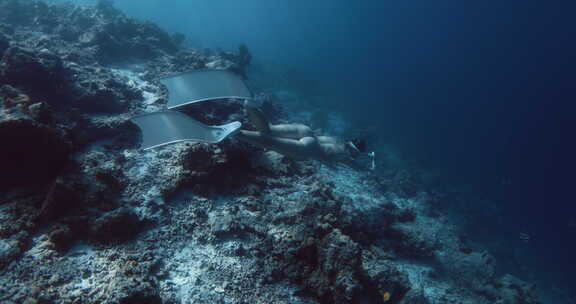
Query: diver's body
point(295, 140)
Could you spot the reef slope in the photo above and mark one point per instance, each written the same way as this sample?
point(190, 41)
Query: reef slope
point(86, 217)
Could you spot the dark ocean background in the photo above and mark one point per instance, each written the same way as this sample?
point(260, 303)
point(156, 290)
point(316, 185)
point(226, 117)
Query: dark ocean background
point(478, 95)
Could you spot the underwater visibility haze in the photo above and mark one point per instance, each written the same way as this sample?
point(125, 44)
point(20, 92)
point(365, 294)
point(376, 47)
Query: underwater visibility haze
point(464, 193)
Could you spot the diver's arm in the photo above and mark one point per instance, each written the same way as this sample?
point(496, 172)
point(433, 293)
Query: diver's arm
point(336, 152)
point(353, 163)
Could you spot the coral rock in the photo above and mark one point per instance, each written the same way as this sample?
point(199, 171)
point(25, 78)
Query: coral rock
point(118, 225)
point(41, 71)
point(4, 43)
point(32, 152)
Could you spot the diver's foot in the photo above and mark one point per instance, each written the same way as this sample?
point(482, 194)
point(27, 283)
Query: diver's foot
point(252, 103)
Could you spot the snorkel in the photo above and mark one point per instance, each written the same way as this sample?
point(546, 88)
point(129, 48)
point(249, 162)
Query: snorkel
point(373, 160)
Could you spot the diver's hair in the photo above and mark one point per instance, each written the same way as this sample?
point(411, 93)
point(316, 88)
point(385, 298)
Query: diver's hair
point(360, 144)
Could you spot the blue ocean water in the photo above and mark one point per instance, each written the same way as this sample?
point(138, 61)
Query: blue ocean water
point(480, 94)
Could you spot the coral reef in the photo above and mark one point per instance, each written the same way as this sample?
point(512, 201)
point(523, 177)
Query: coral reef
point(35, 150)
point(86, 217)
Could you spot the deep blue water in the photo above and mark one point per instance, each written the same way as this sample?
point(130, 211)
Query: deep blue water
point(482, 92)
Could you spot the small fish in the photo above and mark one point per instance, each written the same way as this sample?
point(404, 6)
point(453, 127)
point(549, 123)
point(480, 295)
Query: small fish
point(386, 296)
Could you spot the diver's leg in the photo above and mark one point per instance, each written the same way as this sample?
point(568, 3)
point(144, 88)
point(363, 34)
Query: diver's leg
point(326, 140)
point(303, 148)
point(257, 117)
point(293, 131)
